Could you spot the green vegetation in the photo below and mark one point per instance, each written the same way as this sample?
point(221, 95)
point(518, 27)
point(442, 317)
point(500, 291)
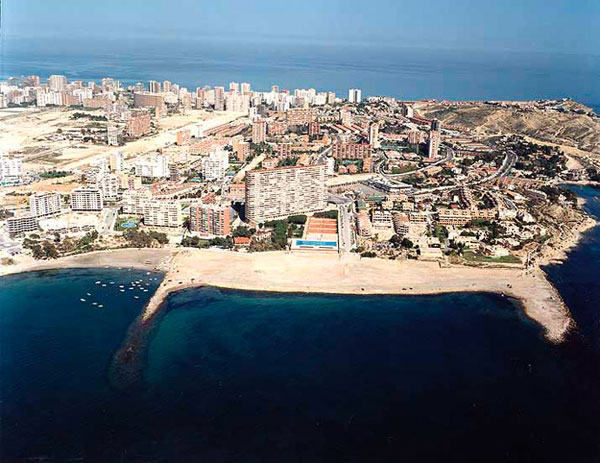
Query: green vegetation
point(45, 250)
point(243, 232)
point(297, 219)
point(333, 214)
point(141, 239)
point(472, 257)
point(369, 254)
point(55, 174)
point(279, 233)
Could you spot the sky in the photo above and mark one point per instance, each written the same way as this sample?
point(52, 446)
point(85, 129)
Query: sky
point(569, 26)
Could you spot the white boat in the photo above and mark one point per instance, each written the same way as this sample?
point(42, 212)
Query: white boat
point(136, 297)
point(94, 303)
point(100, 306)
point(97, 283)
point(122, 290)
point(82, 300)
point(88, 294)
point(104, 285)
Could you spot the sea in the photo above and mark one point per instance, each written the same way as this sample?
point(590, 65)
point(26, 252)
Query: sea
point(379, 70)
point(230, 376)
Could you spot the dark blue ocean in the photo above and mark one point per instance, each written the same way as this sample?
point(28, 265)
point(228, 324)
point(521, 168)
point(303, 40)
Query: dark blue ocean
point(257, 377)
point(407, 73)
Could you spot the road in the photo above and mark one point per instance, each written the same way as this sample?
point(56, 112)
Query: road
point(345, 208)
point(449, 157)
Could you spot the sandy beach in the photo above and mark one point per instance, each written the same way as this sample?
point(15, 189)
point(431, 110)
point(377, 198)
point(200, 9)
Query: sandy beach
point(143, 259)
point(328, 273)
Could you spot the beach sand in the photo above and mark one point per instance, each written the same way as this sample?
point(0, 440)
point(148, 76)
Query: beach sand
point(323, 273)
point(329, 273)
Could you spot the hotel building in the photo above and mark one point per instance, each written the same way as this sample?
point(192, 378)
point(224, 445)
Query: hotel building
point(278, 193)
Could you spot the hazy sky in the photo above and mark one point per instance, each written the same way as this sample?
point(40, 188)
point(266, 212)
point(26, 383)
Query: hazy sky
point(542, 25)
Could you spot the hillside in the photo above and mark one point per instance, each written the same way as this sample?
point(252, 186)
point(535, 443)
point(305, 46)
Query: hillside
point(562, 128)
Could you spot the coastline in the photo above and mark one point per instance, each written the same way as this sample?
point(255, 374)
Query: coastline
point(330, 274)
point(287, 272)
point(149, 259)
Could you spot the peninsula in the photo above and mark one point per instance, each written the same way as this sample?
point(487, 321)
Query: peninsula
point(294, 191)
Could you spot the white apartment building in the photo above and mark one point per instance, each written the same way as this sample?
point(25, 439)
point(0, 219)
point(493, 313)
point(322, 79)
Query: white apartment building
point(87, 199)
point(158, 167)
point(134, 201)
point(21, 224)
point(215, 165)
point(162, 214)
point(278, 193)
point(57, 83)
point(116, 161)
point(109, 184)
point(354, 95)
point(44, 204)
point(11, 170)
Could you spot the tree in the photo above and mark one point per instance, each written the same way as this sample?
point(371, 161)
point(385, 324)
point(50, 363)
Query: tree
point(49, 249)
point(406, 243)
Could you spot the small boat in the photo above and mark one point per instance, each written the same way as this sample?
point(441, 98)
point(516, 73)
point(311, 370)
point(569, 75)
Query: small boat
point(100, 306)
point(145, 290)
point(94, 303)
point(112, 282)
point(136, 297)
point(97, 282)
point(121, 286)
point(82, 300)
point(104, 285)
point(88, 294)
point(122, 290)
point(130, 288)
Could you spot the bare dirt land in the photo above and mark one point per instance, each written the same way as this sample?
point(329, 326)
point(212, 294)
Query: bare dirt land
point(34, 134)
point(578, 131)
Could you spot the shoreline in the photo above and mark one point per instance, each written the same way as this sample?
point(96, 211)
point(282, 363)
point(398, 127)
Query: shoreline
point(309, 273)
point(325, 274)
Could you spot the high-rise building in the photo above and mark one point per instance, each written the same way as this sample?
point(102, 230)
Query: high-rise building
point(275, 88)
point(57, 83)
point(21, 224)
point(139, 124)
point(215, 165)
point(109, 184)
point(219, 99)
point(245, 87)
point(278, 193)
point(354, 95)
point(116, 161)
point(314, 129)
point(210, 219)
point(242, 150)
point(44, 204)
point(234, 87)
point(159, 213)
point(158, 167)
point(11, 170)
point(87, 199)
point(374, 135)
point(154, 87)
point(343, 150)
point(259, 131)
point(166, 86)
point(134, 200)
point(112, 135)
point(435, 135)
